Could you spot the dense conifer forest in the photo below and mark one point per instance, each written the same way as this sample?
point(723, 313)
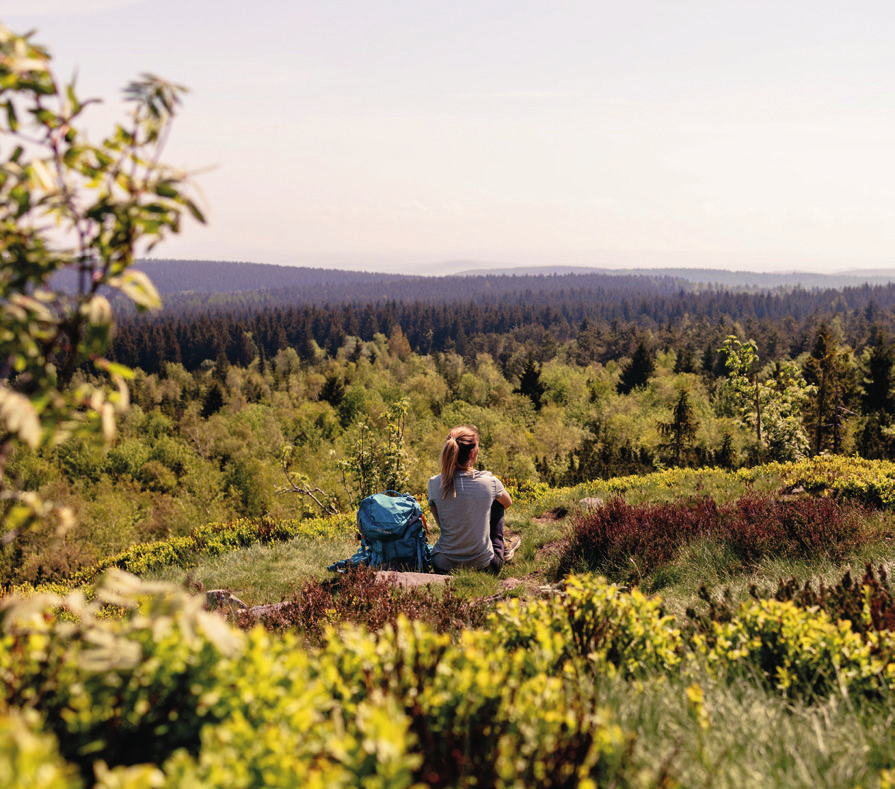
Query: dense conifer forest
point(604, 315)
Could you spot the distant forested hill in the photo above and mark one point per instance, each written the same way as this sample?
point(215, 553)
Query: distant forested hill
point(204, 284)
point(243, 311)
point(219, 277)
point(320, 285)
point(190, 285)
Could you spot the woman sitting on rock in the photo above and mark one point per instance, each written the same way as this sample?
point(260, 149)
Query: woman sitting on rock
point(468, 506)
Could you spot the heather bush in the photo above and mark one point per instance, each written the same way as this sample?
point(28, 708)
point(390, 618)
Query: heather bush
point(629, 542)
point(363, 597)
point(801, 528)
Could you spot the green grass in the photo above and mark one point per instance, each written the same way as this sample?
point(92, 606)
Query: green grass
point(707, 563)
point(748, 737)
point(262, 573)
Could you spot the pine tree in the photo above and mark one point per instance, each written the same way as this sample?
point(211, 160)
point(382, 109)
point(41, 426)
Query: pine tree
point(725, 457)
point(681, 430)
point(530, 383)
point(878, 378)
point(826, 368)
point(333, 391)
point(213, 400)
point(637, 372)
point(684, 361)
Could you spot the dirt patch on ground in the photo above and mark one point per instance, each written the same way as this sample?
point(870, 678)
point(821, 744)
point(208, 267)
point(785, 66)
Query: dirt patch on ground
point(550, 549)
point(536, 584)
point(532, 582)
point(552, 516)
point(528, 586)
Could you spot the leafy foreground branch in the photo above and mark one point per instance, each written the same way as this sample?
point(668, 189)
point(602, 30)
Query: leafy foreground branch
point(557, 692)
point(71, 206)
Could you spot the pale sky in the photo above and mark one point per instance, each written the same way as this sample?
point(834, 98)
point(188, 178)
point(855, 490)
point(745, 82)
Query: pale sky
point(399, 134)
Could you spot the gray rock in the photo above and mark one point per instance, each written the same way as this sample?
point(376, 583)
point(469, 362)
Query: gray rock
point(408, 580)
point(222, 600)
point(591, 502)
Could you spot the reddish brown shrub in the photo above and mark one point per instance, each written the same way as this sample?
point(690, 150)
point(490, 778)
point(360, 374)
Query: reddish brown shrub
point(761, 526)
point(627, 542)
point(363, 597)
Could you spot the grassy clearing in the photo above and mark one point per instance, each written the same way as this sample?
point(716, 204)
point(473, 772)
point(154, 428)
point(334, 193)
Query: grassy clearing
point(690, 725)
point(261, 573)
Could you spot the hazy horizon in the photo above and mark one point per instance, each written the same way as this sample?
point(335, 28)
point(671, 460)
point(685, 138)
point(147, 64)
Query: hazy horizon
point(453, 267)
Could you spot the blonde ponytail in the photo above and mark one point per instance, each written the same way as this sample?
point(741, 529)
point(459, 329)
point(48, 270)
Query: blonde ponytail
point(455, 454)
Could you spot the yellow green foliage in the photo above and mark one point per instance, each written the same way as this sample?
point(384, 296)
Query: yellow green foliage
point(173, 686)
point(802, 653)
point(870, 481)
point(29, 758)
point(168, 695)
point(615, 632)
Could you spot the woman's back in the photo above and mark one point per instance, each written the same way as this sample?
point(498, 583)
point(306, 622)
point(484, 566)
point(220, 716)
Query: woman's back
point(464, 517)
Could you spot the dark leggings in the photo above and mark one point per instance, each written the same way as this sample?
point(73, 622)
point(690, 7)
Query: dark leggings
point(497, 510)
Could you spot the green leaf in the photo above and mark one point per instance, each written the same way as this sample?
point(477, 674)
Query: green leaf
point(20, 417)
point(194, 210)
point(137, 287)
point(11, 117)
point(164, 189)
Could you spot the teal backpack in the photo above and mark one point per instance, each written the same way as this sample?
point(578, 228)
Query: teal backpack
point(393, 534)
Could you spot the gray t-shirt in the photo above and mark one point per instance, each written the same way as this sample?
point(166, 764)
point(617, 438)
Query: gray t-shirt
point(465, 518)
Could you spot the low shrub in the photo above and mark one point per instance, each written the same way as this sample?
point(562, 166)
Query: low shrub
point(29, 758)
point(592, 624)
point(801, 528)
point(802, 653)
point(629, 542)
point(134, 688)
point(171, 696)
point(362, 597)
point(870, 482)
point(480, 717)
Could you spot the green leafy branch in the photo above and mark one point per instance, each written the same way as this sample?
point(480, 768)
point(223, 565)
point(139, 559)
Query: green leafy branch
point(67, 203)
